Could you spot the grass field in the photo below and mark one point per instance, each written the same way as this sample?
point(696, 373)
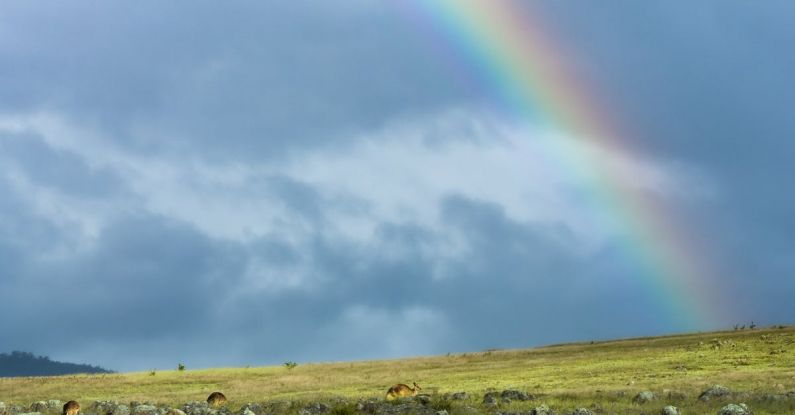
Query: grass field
point(605, 375)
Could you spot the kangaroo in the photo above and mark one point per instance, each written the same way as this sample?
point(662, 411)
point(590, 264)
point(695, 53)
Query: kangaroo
point(216, 399)
point(400, 390)
point(71, 408)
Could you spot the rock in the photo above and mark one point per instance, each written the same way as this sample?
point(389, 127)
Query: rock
point(442, 412)
point(516, 395)
point(144, 409)
point(314, 408)
point(121, 409)
point(198, 408)
point(39, 406)
point(30, 413)
point(367, 406)
point(733, 409)
point(582, 411)
point(714, 391)
point(644, 397)
point(175, 411)
point(2, 408)
point(107, 407)
point(459, 396)
point(541, 410)
point(490, 399)
point(423, 399)
point(251, 408)
point(670, 410)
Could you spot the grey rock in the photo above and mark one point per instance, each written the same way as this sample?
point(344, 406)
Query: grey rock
point(314, 408)
point(2, 408)
point(175, 411)
point(31, 413)
point(516, 395)
point(251, 408)
point(582, 411)
point(107, 407)
point(39, 406)
point(490, 400)
point(644, 397)
point(734, 409)
point(55, 404)
point(198, 408)
point(541, 410)
point(459, 396)
point(714, 391)
point(442, 412)
point(423, 399)
point(670, 410)
point(144, 409)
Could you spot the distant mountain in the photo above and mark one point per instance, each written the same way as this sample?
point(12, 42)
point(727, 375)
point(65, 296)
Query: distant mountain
point(19, 363)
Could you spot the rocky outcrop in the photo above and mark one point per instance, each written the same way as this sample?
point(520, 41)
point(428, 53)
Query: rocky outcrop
point(713, 392)
point(734, 409)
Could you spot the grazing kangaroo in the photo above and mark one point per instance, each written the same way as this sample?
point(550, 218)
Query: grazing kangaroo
point(216, 398)
point(400, 390)
point(71, 408)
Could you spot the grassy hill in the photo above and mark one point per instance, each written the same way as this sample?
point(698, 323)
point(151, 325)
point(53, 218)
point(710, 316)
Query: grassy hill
point(608, 374)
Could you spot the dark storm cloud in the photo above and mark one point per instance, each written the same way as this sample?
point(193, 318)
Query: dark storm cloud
point(244, 80)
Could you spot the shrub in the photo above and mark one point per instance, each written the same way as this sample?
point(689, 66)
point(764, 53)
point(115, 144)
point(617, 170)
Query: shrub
point(181, 367)
point(290, 365)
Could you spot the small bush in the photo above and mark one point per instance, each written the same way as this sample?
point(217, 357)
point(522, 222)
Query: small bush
point(181, 367)
point(290, 365)
point(152, 373)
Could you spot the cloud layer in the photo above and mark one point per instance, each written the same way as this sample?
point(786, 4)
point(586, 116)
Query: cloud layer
point(286, 183)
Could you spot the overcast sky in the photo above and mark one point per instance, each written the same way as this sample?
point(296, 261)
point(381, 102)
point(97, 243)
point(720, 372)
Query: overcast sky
point(248, 183)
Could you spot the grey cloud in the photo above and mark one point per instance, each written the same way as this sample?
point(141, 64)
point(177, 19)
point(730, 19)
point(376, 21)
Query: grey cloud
point(251, 81)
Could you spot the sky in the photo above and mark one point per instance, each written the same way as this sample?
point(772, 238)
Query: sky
point(260, 182)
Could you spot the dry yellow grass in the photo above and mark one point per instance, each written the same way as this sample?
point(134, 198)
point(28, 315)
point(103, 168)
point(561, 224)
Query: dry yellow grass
point(757, 361)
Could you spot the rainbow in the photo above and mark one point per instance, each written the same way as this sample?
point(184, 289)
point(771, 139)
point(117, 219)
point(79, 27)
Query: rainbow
point(514, 59)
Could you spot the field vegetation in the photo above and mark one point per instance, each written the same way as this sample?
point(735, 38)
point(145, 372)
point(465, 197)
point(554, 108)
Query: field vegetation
point(604, 376)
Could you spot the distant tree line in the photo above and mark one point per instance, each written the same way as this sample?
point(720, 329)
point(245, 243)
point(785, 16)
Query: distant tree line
point(19, 363)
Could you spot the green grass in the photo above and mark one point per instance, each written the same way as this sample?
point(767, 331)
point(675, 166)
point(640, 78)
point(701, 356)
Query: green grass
point(604, 374)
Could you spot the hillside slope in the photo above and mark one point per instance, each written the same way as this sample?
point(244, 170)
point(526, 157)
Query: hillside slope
point(760, 362)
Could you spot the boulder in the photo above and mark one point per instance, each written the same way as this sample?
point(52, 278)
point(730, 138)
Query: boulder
point(423, 399)
point(314, 408)
point(459, 396)
point(175, 411)
point(541, 410)
point(442, 412)
point(490, 399)
point(39, 406)
point(670, 410)
point(198, 408)
point(644, 397)
point(55, 404)
point(582, 411)
point(734, 409)
point(144, 409)
point(714, 391)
